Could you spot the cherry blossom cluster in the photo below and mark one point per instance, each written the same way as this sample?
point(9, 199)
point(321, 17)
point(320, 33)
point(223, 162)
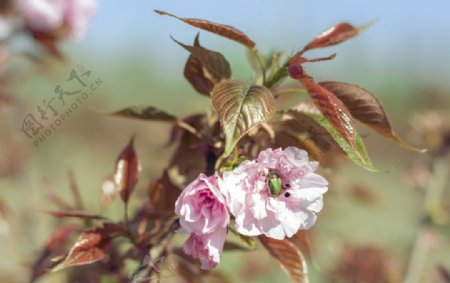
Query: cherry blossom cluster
point(56, 18)
point(275, 195)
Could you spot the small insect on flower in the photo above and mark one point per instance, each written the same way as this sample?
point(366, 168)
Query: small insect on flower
point(274, 183)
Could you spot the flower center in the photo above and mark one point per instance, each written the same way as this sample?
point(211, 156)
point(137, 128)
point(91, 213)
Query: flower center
point(205, 199)
point(274, 183)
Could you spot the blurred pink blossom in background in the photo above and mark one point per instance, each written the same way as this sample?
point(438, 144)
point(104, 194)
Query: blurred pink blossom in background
point(71, 16)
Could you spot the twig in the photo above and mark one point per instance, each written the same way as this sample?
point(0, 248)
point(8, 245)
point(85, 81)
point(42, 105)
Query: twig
point(74, 189)
point(290, 91)
point(434, 191)
point(125, 216)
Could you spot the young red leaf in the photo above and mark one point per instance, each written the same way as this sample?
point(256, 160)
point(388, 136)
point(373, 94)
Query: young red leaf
point(163, 193)
point(127, 171)
point(301, 240)
point(332, 36)
point(212, 61)
point(191, 156)
point(329, 105)
point(289, 256)
point(219, 29)
point(59, 238)
point(148, 113)
point(87, 249)
point(56, 243)
point(195, 74)
point(365, 107)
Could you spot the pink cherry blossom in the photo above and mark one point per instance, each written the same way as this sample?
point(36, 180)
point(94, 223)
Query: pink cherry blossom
point(257, 211)
point(206, 247)
point(201, 206)
point(51, 15)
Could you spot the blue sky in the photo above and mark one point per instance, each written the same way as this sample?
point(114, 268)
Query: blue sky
point(411, 39)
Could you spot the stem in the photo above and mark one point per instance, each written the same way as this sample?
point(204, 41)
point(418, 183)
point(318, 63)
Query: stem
point(280, 74)
point(189, 129)
point(434, 191)
point(261, 63)
point(290, 91)
point(73, 185)
point(154, 253)
point(125, 216)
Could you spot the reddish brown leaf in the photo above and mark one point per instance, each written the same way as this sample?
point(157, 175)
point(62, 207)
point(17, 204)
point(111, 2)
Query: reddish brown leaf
point(330, 106)
point(301, 240)
point(75, 213)
point(365, 107)
point(110, 230)
point(191, 156)
point(212, 61)
point(163, 193)
point(127, 171)
point(55, 244)
point(219, 29)
point(363, 264)
point(195, 74)
point(289, 256)
point(147, 113)
point(332, 36)
point(59, 238)
point(188, 272)
point(87, 250)
point(363, 194)
point(444, 274)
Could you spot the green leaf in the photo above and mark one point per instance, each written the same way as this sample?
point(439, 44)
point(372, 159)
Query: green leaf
point(149, 113)
point(240, 107)
point(357, 153)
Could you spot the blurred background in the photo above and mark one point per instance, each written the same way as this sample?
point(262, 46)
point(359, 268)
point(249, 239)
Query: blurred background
point(371, 222)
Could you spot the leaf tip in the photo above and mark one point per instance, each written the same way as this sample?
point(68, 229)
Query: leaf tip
point(368, 25)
